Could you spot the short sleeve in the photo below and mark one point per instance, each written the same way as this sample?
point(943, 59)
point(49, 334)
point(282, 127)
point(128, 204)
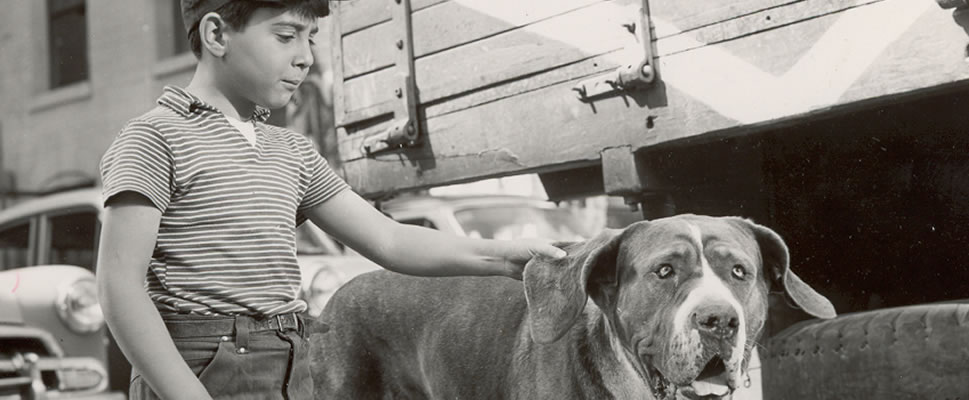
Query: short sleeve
point(139, 160)
point(321, 182)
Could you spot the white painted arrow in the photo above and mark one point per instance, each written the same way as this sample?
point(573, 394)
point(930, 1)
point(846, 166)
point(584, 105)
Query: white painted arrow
point(729, 84)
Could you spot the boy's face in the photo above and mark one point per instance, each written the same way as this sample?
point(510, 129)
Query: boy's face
point(267, 59)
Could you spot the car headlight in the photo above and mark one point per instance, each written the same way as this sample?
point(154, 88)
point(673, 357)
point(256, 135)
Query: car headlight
point(77, 306)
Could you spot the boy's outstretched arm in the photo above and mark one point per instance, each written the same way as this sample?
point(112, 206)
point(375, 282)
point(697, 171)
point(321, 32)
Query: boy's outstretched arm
point(417, 250)
point(128, 235)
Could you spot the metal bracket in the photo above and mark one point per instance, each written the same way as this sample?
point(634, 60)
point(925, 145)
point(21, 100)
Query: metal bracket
point(405, 128)
point(627, 77)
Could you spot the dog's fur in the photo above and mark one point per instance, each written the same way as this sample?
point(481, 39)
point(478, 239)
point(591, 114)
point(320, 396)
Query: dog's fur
point(678, 304)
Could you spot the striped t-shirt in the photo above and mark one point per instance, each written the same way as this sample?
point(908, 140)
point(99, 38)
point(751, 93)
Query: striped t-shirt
point(226, 240)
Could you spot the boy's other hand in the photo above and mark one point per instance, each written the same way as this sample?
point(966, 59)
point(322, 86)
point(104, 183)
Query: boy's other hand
point(522, 250)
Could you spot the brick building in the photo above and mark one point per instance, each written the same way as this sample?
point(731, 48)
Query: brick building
point(72, 72)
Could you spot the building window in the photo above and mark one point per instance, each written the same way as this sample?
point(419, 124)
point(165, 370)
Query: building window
point(68, 42)
point(172, 39)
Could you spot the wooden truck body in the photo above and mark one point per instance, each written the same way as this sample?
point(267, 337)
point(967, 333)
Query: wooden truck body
point(495, 88)
point(839, 123)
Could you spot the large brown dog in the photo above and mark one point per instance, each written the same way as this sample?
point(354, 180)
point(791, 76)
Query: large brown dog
point(677, 306)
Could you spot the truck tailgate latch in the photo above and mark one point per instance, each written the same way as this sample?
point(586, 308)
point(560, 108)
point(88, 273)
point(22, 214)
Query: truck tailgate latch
point(630, 76)
point(405, 129)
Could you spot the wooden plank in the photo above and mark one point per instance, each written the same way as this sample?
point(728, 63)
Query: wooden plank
point(549, 128)
point(741, 80)
point(756, 22)
point(448, 25)
point(503, 57)
point(362, 14)
point(350, 144)
point(895, 71)
point(454, 23)
point(690, 15)
point(548, 44)
point(583, 68)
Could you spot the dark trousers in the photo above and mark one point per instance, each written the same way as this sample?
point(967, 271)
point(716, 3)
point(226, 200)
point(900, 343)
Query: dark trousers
point(241, 357)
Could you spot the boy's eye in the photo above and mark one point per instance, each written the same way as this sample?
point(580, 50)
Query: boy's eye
point(286, 38)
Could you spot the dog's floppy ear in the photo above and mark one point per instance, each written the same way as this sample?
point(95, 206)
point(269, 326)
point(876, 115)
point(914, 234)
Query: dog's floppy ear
point(555, 290)
point(778, 271)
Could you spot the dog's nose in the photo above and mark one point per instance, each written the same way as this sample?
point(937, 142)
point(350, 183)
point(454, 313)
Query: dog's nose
point(716, 319)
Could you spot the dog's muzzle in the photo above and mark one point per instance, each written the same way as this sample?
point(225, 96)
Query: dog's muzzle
point(703, 361)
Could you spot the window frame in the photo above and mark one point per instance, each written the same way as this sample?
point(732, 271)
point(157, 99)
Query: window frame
point(44, 236)
point(31, 239)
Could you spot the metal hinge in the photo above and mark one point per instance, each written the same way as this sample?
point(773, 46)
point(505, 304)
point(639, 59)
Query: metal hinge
point(630, 76)
point(405, 129)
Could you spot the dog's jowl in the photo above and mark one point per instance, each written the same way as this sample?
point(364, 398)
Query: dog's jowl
point(677, 305)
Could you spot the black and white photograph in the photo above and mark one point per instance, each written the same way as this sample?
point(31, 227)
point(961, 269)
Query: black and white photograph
point(484, 199)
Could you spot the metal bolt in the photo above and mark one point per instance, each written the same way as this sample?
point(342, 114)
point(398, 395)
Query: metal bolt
point(648, 73)
point(398, 92)
point(400, 44)
point(224, 338)
point(241, 350)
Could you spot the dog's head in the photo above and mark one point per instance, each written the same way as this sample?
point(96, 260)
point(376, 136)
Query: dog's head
point(686, 297)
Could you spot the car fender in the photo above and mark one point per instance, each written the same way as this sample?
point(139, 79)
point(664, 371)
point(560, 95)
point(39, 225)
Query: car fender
point(35, 291)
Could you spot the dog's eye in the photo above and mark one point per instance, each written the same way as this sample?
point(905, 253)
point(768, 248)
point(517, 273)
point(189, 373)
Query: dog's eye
point(739, 271)
point(664, 271)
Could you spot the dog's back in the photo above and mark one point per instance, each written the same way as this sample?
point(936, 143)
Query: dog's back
point(384, 326)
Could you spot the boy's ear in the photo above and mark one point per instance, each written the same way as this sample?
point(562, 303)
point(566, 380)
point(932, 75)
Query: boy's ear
point(212, 34)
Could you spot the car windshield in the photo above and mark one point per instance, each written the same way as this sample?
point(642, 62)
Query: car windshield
point(521, 221)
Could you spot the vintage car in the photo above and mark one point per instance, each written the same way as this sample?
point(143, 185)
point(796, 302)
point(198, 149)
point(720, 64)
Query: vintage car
point(326, 265)
point(62, 228)
point(43, 311)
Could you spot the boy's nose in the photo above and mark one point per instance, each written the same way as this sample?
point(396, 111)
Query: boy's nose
point(304, 58)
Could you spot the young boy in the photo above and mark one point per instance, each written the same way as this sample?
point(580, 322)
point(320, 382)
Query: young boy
point(197, 270)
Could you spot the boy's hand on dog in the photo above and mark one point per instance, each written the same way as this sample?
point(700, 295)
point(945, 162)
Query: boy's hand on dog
point(519, 252)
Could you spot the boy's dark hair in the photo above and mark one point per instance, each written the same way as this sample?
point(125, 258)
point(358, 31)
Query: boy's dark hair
point(236, 15)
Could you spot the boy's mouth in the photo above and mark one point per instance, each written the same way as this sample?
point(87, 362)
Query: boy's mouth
point(292, 82)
